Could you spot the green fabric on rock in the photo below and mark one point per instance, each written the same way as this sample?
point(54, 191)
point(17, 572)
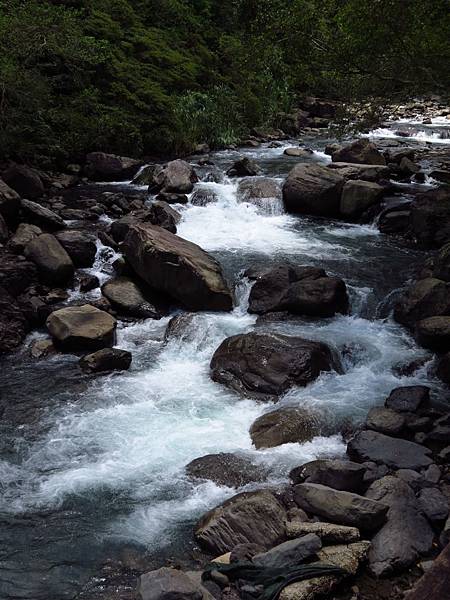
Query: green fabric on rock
point(272, 579)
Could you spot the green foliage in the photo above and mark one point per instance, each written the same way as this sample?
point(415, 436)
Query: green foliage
point(152, 76)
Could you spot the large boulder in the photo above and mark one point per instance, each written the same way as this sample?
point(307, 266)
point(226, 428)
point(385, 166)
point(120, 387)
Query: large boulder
point(39, 215)
point(163, 215)
point(285, 426)
point(226, 469)
point(346, 556)
point(408, 398)
point(79, 245)
point(392, 452)
point(425, 298)
point(267, 365)
point(343, 508)
point(361, 152)
point(255, 188)
point(24, 180)
point(54, 264)
point(177, 177)
point(405, 535)
point(338, 474)
point(119, 229)
point(106, 359)
point(244, 167)
point(128, 298)
point(290, 553)
point(25, 232)
point(434, 333)
point(78, 328)
point(359, 196)
point(430, 217)
point(250, 517)
point(313, 190)
point(385, 420)
point(109, 167)
point(167, 584)
point(360, 172)
point(178, 268)
point(9, 202)
point(13, 323)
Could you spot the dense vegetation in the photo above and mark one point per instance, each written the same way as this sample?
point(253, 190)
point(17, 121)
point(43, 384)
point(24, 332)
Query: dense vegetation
point(155, 76)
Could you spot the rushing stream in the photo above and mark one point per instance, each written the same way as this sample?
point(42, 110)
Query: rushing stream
point(93, 467)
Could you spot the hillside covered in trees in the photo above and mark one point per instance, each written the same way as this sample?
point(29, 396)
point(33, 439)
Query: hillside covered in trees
point(158, 76)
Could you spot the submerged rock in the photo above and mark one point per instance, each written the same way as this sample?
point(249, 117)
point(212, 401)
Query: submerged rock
point(78, 328)
point(267, 365)
point(178, 268)
point(226, 469)
point(250, 517)
point(106, 359)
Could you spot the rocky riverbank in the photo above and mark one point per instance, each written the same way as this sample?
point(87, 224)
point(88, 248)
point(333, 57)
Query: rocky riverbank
point(378, 513)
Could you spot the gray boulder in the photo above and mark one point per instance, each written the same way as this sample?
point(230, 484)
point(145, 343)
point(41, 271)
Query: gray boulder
point(244, 167)
point(250, 517)
point(405, 535)
point(167, 584)
point(385, 420)
point(313, 190)
point(433, 504)
point(361, 151)
point(343, 508)
point(267, 365)
point(128, 298)
point(226, 469)
point(163, 215)
point(408, 398)
point(359, 196)
point(284, 426)
point(290, 553)
point(106, 359)
point(392, 452)
point(337, 474)
point(54, 264)
point(178, 268)
point(255, 188)
point(176, 177)
point(79, 245)
point(78, 328)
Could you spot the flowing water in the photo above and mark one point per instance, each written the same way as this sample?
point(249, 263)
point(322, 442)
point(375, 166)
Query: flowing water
point(94, 466)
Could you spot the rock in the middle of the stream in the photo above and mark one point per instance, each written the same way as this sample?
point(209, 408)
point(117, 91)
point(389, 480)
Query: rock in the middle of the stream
point(265, 365)
point(177, 267)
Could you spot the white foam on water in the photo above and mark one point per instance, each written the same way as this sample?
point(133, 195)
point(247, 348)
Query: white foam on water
point(421, 136)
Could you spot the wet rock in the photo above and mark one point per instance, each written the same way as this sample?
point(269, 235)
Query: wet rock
point(284, 426)
point(250, 517)
point(443, 368)
point(441, 268)
point(167, 584)
point(409, 167)
point(106, 359)
point(24, 234)
point(78, 328)
point(290, 553)
point(392, 452)
point(24, 180)
point(337, 474)
point(128, 298)
point(13, 323)
point(433, 504)
point(181, 327)
point(176, 177)
point(88, 282)
point(226, 469)
point(172, 198)
point(163, 215)
point(385, 420)
point(178, 268)
point(327, 532)
point(405, 535)
point(395, 155)
point(430, 217)
point(267, 365)
point(256, 188)
point(361, 172)
point(54, 265)
point(313, 190)
point(42, 348)
point(343, 508)
point(434, 333)
point(144, 176)
point(79, 245)
point(394, 220)
point(109, 167)
point(348, 557)
point(358, 196)
point(43, 217)
point(361, 152)
point(425, 298)
point(298, 152)
point(9, 203)
point(408, 398)
point(203, 197)
point(244, 167)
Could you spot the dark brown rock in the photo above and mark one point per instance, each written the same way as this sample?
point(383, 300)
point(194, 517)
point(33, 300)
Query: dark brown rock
point(106, 359)
point(284, 426)
point(408, 398)
point(109, 167)
point(226, 469)
point(41, 216)
point(78, 328)
point(54, 265)
point(24, 180)
point(128, 298)
point(79, 245)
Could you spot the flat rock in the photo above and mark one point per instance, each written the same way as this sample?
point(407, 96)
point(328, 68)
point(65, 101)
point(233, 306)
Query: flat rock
point(406, 534)
point(385, 420)
point(290, 553)
point(226, 469)
point(327, 532)
point(267, 365)
point(392, 452)
point(250, 517)
point(285, 426)
point(337, 474)
point(178, 268)
point(361, 172)
point(343, 508)
point(408, 398)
